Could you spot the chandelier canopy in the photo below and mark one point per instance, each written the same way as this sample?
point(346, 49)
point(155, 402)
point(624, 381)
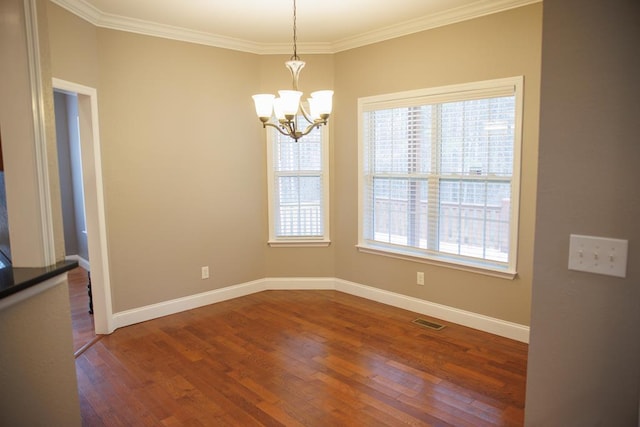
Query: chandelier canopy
point(287, 107)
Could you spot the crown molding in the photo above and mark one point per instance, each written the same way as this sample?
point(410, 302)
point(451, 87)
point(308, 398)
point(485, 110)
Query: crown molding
point(82, 9)
point(477, 9)
point(305, 48)
point(448, 17)
point(155, 29)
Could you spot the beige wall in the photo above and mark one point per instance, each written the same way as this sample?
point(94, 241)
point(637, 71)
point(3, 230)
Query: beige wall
point(183, 173)
point(37, 371)
point(183, 170)
point(73, 42)
point(26, 208)
point(176, 118)
point(500, 45)
point(584, 358)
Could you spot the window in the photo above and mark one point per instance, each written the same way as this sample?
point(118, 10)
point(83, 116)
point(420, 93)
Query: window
point(298, 189)
point(439, 175)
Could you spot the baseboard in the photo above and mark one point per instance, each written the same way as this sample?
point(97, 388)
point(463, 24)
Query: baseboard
point(81, 261)
point(299, 283)
point(481, 322)
point(165, 308)
point(450, 314)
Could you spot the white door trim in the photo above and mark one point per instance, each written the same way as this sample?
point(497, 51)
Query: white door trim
point(94, 202)
point(39, 132)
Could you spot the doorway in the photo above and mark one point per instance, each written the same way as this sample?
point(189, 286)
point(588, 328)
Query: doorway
point(73, 217)
point(70, 173)
point(93, 197)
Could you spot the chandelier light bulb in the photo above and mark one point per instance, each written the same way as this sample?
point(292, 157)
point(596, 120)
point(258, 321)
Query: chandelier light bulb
point(290, 101)
point(264, 104)
point(323, 101)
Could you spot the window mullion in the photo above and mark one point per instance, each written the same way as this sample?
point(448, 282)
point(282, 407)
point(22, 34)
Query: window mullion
point(484, 220)
point(433, 196)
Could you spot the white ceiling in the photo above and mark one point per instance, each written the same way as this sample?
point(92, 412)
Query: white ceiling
point(265, 26)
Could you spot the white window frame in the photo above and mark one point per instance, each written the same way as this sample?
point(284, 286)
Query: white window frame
point(298, 241)
point(460, 92)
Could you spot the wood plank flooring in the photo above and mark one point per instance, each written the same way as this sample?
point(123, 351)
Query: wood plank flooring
point(301, 358)
point(81, 321)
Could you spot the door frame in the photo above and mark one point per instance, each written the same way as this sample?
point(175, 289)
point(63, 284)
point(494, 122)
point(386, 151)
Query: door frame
point(91, 156)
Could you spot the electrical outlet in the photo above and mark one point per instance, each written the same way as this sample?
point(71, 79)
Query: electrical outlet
point(598, 255)
point(205, 272)
point(420, 278)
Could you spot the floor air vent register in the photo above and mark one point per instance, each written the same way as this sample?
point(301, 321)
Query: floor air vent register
point(428, 324)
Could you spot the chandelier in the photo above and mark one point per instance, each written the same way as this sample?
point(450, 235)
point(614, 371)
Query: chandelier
point(287, 106)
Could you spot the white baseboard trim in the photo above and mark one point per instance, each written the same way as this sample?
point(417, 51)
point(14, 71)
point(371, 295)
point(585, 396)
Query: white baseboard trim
point(481, 322)
point(81, 261)
point(165, 308)
point(450, 314)
point(299, 283)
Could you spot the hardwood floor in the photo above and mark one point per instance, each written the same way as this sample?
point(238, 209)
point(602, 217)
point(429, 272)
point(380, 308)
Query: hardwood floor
point(301, 358)
point(81, 321)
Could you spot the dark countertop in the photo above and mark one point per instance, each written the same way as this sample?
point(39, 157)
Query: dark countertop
point(16, 279)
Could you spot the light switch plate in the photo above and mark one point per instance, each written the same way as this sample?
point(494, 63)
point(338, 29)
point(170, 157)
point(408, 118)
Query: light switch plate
point(598, 255)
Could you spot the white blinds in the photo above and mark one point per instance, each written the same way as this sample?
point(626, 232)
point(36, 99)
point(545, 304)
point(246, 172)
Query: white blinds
point(298, 200)
point(437, 174)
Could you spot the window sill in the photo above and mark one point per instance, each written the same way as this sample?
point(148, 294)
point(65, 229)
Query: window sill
point(484, 270)
point(298, 243)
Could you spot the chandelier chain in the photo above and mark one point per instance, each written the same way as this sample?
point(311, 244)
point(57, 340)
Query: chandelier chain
point(295, 34)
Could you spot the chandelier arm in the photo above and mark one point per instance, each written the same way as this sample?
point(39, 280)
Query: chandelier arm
point(277, 127)
point(306, 115)
point(291, 126)
point(286, 128)
point(312, 126)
